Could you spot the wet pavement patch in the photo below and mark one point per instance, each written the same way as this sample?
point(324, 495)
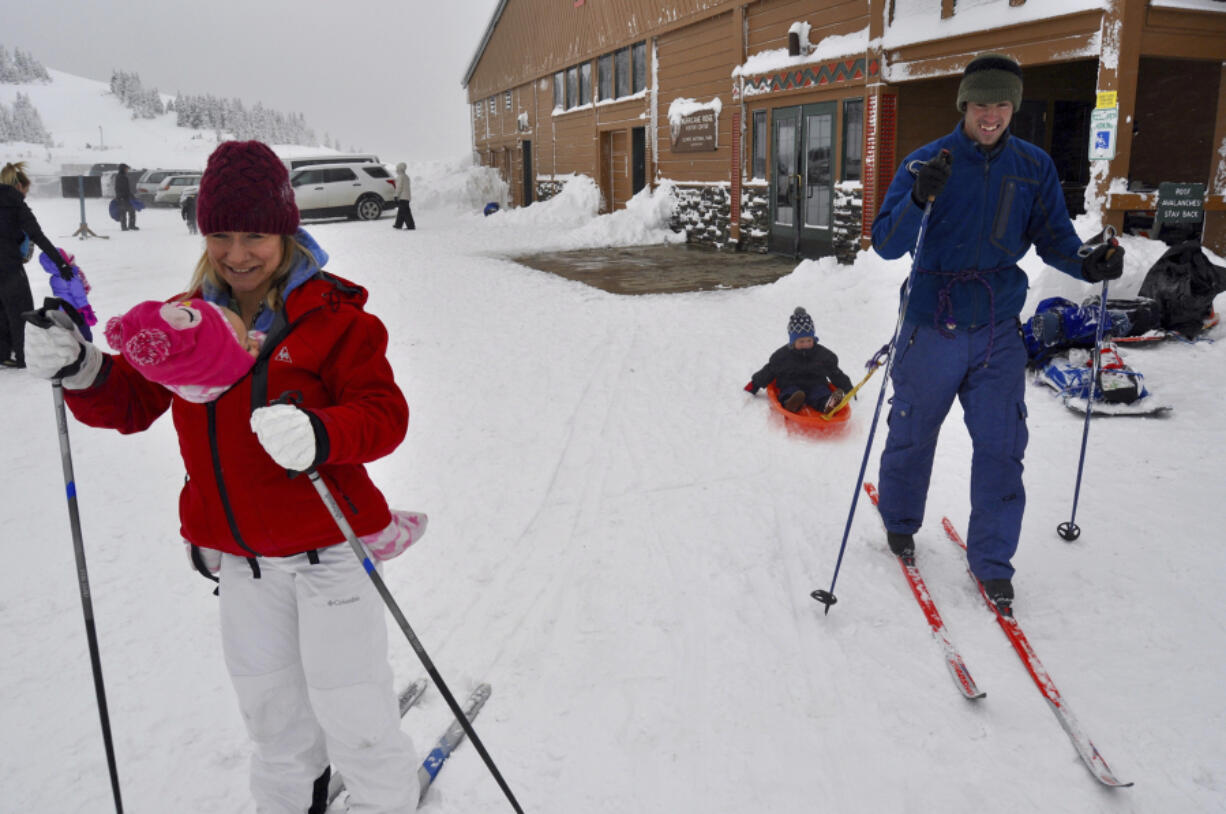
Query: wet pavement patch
point(662, 268)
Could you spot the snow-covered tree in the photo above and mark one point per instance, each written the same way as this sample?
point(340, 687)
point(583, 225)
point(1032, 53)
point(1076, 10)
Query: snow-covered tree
point(21, 68)
point(22, 122)
point(28, 68)
point(8, 72)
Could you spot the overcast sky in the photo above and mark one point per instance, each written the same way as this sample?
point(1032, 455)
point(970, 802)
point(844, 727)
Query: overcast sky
point(381, 75)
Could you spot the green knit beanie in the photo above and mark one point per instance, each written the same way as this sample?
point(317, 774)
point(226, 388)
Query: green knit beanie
point(991, 78)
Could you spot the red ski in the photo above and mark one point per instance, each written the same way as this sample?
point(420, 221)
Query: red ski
point(953, 660)
point(1013, 632)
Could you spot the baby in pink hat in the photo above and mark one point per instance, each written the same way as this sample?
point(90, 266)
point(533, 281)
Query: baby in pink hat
point(193, 348)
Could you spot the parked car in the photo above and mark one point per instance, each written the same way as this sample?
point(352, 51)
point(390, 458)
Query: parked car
point(298, 162)
point(361, 191)
point(172, 187)
point(150, 180)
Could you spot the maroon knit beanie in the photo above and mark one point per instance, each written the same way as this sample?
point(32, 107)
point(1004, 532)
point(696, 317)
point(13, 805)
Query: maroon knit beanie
point(245, 188)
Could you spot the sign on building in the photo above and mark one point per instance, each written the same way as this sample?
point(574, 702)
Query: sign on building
point(1179, 205)
point(695, 132)
point(1104, 122)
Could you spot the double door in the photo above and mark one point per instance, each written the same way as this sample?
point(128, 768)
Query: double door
point(802, 179)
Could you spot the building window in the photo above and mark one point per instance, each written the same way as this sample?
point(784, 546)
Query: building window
point(507, 99)
point(493, 105)
point(559, 90)
point(853, 138)
point(585, 83)
point(759, 144)
point(477, 109)
point(572, 86)
point(622, 58)
point(639, 55)
point(604, 77)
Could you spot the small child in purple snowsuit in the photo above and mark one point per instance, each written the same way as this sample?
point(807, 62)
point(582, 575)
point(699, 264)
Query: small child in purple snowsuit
point(71, 289)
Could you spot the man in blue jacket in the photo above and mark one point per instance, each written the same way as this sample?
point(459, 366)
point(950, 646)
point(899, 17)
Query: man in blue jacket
point(961, 335)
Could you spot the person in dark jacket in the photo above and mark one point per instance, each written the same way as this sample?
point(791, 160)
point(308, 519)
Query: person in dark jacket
point(803, 370)
point(16, 224)
point(961, 336)
point(304, 632)
point(123, 194)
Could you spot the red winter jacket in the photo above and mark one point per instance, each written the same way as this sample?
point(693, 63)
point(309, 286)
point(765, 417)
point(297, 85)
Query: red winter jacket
point(237, 499)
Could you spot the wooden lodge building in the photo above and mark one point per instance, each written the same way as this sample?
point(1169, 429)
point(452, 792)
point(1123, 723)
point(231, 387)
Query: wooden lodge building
point(779, 123)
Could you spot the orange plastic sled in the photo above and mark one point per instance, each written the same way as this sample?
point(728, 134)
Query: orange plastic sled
point(807, 417)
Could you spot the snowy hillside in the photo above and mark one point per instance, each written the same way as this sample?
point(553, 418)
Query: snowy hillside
point(89, 125)
point(623, 543)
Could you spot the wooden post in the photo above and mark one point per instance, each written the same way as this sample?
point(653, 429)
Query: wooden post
point(1214, 235)
point(880, 124)
point(737, 169)
point(1122, 26)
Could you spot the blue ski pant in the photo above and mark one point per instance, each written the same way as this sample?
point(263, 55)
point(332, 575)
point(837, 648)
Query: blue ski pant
point(930, 369)
point(816, 400)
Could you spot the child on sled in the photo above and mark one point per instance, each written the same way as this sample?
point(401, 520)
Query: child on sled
point(803, 370)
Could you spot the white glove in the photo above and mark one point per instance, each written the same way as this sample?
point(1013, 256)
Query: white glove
point(287, 435)
point(58, 351)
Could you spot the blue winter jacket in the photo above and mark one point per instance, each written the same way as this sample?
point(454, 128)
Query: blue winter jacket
point(994, 207)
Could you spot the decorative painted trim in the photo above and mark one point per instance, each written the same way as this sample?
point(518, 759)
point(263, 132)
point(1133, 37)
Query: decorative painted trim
point(812, 76)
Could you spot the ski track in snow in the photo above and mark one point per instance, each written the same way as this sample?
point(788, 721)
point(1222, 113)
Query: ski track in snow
point(622, 542)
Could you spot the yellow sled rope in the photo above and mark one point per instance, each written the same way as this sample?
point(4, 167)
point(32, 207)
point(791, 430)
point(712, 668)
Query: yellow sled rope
point(877, 361)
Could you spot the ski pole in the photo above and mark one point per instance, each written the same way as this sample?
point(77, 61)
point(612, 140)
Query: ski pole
point(827, 597)
point(1070, 531)
point(41, 319)
point(363, 556)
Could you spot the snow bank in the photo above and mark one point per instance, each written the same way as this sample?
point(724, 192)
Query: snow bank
point(570, 219)
point(455, 185)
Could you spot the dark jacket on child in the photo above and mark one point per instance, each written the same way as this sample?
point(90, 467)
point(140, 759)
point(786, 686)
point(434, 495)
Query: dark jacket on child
point(808, 370)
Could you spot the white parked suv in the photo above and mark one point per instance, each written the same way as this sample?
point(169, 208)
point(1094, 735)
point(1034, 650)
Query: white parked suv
point(172, 187)
point(361, 191)
point(147, 186)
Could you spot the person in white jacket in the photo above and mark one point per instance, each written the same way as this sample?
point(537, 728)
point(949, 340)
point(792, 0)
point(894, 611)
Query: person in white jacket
point(404, 194)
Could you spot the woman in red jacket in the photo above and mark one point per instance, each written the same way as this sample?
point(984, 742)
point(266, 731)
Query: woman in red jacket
point(303, 629)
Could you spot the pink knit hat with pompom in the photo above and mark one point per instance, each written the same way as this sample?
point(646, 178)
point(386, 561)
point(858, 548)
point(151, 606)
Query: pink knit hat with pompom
point(188, 347)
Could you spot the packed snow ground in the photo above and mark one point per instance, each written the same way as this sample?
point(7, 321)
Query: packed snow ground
point(622, 542)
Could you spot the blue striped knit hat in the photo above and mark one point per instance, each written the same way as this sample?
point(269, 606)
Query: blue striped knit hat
point(800, 324)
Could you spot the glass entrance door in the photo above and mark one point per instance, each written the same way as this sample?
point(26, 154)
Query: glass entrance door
point(817, 169)
point(785, 179)
point(802, 179)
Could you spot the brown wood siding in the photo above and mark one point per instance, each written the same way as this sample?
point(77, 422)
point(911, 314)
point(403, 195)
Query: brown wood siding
point(696, 63)
point(633, 113)
point(1184, 34)
point(575, 142)
point(1038, 42)
point(767, 22)
point(538, 37)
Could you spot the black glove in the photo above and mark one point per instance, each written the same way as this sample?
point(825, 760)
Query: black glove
point(930, 178)
point(66, 272)
point(751, 388)
point(1106, 262)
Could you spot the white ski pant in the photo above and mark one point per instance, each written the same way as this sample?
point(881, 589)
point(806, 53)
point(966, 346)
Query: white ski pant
point(306, 648)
